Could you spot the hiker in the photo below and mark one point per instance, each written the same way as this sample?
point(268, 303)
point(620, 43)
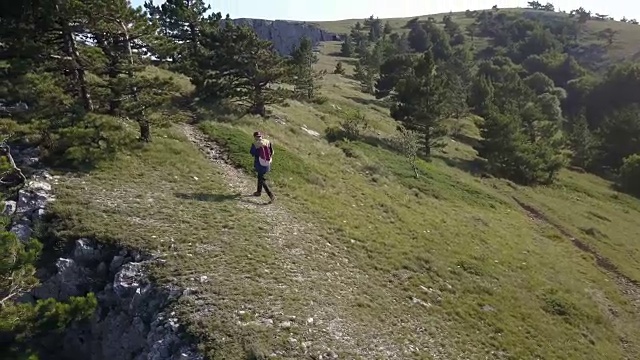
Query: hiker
point(262, 152)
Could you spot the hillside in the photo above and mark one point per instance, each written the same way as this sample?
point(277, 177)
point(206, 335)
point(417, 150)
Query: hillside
point(358, 258)
point(593, 50)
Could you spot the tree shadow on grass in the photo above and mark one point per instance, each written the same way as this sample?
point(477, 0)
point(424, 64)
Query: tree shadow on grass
point(466, 139)
point(618, 188)
point(474, 167)
point(350, 61)
point(380, 142)
point(362, 101)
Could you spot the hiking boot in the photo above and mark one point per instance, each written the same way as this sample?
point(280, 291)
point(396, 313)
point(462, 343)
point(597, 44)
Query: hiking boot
point(272, 198)
point(257, 193)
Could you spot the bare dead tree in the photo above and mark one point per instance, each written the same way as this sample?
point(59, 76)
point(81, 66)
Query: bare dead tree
point(14, 174)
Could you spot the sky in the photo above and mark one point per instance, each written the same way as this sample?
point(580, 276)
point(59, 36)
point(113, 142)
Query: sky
point(323, 10)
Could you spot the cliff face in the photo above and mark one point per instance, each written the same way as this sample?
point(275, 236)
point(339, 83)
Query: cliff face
point(286, 34)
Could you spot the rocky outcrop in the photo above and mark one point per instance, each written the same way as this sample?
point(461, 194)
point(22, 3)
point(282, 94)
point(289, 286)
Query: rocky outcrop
point(286, 34)
point(32, 197)
point(130, 321)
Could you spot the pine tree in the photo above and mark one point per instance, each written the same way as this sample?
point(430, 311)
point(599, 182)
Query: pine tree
point(150, 93)
point(481, 95)
point(121, 32)
point(418, 38)
point(619, 136)
point(17, 270)
point(242, 67)
point(456, 98)
point(66, 17)
point(549, 148)
point(362, 48)
point(505, 147)
point(388, 29)
point(400, 43)
point(629, 174)
point(46, 67)
point(581, 142)
point(368, 67)
point(418, 102)
point(181, 25)
point(392, 71)
point(521, 145)
point(45, 33)
point(346, 49)
point(375, 28)
point(305, 78)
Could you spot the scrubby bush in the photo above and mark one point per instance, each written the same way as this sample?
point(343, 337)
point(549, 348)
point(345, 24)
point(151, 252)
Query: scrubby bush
point(23, 326)
point(352, 127)
point(630, 174)
point(354, 124)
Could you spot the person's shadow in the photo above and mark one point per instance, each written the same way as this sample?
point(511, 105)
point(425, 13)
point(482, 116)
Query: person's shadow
point(250, 199)
point(208, 197)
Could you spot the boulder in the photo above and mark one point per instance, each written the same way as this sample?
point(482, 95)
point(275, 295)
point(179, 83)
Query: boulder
point(86, 252)
point(9, 208)
point(22, 229)
point(69, 280)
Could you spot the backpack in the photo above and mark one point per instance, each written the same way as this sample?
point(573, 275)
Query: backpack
point(264, 152)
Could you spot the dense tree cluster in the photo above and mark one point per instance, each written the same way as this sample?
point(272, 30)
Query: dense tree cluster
point(541, 108)
point(74, 62)
point(84, 70)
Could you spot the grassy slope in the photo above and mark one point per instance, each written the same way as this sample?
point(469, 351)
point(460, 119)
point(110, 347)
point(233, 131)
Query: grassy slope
point(625, 46)
point(463, 236)
point(453, 265)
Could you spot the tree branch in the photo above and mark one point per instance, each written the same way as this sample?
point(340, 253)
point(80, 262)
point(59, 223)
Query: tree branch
point(14, 289)
point(6, 151)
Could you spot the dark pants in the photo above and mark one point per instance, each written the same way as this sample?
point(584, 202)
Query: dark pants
point(262, 183)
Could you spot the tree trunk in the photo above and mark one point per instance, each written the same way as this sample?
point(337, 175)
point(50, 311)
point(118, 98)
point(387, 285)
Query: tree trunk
point(6, 151)
point(127, 43)
point(143, 122)
point(112, 73)
point(427, 146)
point(114, 103)
point(193, 31)
point(145, 130)
point(78, 71)
point(258, 108)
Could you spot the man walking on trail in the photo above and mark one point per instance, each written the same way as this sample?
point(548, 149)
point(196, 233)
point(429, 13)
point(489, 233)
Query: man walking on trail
point(262, 152)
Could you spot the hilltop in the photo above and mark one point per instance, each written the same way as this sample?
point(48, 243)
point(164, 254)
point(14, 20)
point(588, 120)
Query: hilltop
point(514, 238)
point(593, 49)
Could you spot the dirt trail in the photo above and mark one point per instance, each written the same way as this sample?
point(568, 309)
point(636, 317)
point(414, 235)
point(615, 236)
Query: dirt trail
point(317, 271)
point(628, 286)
